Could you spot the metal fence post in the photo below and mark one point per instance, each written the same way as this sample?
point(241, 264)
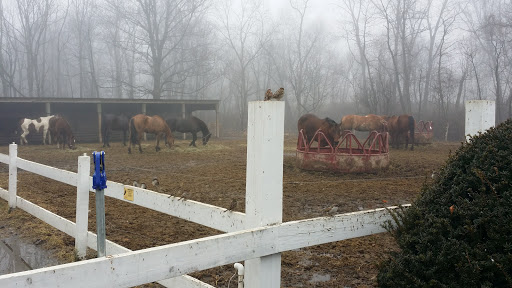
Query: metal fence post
point(13, 175)
point(99, 183)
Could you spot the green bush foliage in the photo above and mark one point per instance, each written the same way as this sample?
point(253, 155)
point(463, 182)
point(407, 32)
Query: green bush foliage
point(458, 233)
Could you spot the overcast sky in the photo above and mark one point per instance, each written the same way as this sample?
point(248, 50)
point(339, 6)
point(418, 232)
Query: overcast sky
point(318, 11)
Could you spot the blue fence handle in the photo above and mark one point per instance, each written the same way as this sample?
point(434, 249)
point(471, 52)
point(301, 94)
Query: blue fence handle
point(99, 178)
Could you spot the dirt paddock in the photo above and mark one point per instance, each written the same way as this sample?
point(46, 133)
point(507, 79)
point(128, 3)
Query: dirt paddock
point(215, 174)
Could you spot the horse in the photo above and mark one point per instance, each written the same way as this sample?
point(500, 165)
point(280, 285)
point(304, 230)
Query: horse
point(310, 123)
point(111, 122)
point(370, 122)
point(64, 134)
point(400, 127)
point(51, 126)
point(190, 124)
point(39, 125)
point(141, 123)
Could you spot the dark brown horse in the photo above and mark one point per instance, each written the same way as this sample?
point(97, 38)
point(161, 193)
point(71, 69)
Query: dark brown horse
point(400, 127)
point(370, 122)
point(310, 123)
point(191, 124)
point(111, 122)
point(63, 133)
point(141, 123)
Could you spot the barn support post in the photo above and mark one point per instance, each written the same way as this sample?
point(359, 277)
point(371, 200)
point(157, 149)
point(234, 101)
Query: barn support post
point(82, 204)
point(99, 110)
point(217, 129)
point(264, 185)
point(143, 111)
point(183, 116)
point(47, 108)
point(13, 175)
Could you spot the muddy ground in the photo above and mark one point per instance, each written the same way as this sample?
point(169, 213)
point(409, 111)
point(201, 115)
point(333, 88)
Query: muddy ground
point(215, 174)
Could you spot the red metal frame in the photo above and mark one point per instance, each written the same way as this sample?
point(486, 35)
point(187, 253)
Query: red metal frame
point(370, 156)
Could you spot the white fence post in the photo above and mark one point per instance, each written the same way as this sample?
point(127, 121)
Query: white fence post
point(13, 174)
point(480, 116)
point(264, 185)
point(82, 204)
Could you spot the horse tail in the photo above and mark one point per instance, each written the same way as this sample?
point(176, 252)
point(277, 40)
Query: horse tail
point(412, 125)
point(133, 131)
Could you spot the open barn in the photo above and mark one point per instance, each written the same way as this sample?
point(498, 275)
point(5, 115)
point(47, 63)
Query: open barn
point(84, 115)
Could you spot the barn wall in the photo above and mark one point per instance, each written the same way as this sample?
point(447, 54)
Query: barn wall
point(12, 113)
point(82, 117)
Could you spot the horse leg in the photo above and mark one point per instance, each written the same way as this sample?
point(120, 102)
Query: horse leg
point(47, 135)
point(23, 139)
point(194, 138)
point(130, 146)
point(105, 137)
point(157, 148)
point(109, 132)
point(139, 137)
point(124, 137)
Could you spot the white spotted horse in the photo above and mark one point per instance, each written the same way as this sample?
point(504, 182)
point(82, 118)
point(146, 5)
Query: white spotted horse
point(39, 125)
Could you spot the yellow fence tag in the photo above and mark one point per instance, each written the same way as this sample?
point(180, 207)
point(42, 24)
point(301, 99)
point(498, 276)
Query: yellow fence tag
point(128, 194)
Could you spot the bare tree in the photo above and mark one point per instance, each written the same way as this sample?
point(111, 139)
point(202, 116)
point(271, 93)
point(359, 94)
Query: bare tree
point(404, 23)
point(487, 24)
point(34, 18)
point(433, 50)
point(299, 55)
point(360, 18)
point(245, 35)
point(163, 26)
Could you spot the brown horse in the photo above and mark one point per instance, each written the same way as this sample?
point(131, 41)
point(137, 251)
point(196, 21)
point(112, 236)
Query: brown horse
point(401, 127)
point(310, 123)
point(111, 122)
point(63, 133)
point(191, 124)
point(370, 122)
point(141, 123)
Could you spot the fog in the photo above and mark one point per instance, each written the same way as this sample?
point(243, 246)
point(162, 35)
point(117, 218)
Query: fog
point(418, 57)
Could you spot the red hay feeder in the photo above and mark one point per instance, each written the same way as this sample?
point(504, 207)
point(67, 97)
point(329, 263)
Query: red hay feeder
point(349, 156)
point(423, 133)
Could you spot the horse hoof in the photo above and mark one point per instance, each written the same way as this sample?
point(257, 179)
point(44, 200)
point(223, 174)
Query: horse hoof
point(129, 151)
point(157, 149)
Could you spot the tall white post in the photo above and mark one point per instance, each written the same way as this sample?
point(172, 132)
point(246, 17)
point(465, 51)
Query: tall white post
point(264, 185)
point(480, 116)
point(82, 204)
point(13, 174)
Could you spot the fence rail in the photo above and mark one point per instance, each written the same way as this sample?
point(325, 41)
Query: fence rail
point(256, 237)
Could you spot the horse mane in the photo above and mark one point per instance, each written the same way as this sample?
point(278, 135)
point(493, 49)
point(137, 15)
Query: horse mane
point(202, 126)
point(330, 121)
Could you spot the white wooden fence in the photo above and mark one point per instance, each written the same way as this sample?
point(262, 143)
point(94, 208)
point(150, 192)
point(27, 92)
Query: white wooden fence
point(256, 237)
